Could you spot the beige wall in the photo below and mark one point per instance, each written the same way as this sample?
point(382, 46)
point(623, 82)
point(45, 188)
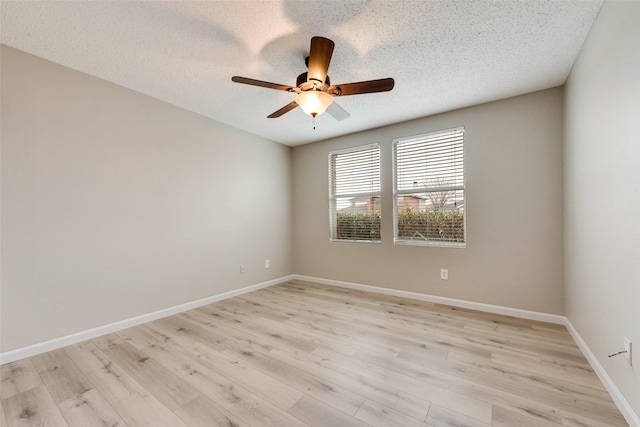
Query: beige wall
point(514, 253)
point(115, 204)
point(602, 186)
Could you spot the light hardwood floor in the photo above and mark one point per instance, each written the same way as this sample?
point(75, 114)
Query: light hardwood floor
point(303, 354)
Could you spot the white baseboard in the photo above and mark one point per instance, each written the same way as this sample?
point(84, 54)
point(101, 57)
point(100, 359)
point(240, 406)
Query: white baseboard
point(507, 311)
point(622, 403)
point(43, 347)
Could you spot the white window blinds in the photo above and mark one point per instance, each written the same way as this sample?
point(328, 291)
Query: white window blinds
point(354, 194)
point(429, 194)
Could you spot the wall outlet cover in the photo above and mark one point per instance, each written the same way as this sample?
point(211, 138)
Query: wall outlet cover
point(628, 348)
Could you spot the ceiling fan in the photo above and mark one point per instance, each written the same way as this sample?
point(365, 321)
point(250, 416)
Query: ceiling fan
point(314, 90)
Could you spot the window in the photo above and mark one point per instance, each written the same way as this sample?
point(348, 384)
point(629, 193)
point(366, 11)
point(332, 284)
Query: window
point(429, 195)
point(354, 194)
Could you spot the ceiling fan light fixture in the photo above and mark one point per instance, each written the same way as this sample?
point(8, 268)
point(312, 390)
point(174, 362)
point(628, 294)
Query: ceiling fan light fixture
point(314, 102)
point(313, 88)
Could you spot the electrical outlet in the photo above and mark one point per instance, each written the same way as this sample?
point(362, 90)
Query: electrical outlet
point(267, 263)
point(242, 269)
point(628, 348)
point(444, 274)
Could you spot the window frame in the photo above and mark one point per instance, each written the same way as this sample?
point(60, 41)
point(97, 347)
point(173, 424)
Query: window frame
point(333, 211)
point(425, 189)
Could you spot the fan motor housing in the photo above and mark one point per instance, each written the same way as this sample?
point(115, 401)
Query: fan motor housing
point(303, 84)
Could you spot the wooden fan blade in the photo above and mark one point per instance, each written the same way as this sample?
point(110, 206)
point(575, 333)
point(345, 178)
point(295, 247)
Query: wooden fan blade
point(370, 86)
point(337, 112)
point(319, 58)
point(254, 82)
point(283, 110)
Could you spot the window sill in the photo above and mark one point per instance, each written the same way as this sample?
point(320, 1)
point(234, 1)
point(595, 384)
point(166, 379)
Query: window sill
point(354, 241)
point(457, 245)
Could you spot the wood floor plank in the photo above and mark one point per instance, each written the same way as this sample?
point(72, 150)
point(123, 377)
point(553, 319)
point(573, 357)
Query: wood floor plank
point(179, 328)
point(263, 329)
point(107, 341)
point(253, 308)
point(259, 327)
point(113, 383)
point(341, 331)
point(34, 407)
point(381, 393)
point(410, 379)
point(207, 381)
point(332, 394)
point(60, 374)
point(134, 403)
point(460, 386)
point(362, 315)
point(241, 333)
point(146, 411)
point(260, 413)
point(313, 340)
point(203, 412)
point(318, 414)
point(17, 377)
point(270, 388)
point(579, 420)
point(168, 388)
point(306, 354)
point(90, 409)
point(504, 418)
point(549, 391)
point(442, 417)
point(377, 415)
point(562, 394)
point(558, 369)
point(313, 336)
point(319, 340)
point(528, 335)
point(3, 419)
point(140, 339)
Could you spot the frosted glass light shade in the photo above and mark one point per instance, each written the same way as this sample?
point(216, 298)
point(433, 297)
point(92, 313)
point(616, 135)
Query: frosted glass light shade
point(314, 102)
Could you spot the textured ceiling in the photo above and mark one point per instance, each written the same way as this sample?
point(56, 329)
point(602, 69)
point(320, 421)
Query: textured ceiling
point(443, 55)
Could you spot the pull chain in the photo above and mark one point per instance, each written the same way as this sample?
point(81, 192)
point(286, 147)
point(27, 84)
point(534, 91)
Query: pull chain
point(617, 353)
